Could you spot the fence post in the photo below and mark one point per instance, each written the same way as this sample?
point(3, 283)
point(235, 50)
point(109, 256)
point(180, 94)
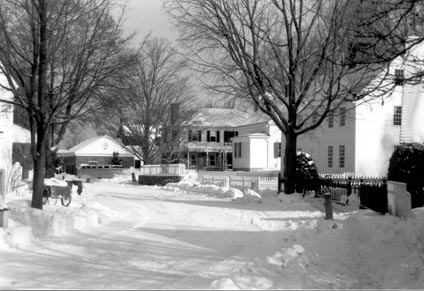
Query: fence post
point(279, 183)
point(327, 206)
point(227, 182)
point(242, 183)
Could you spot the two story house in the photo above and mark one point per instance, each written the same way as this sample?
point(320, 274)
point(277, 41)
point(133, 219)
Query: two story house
point(360, 136)
point(227, 139)
point(208, 143)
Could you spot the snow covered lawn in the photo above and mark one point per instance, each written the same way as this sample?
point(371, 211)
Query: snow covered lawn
point(122, 236)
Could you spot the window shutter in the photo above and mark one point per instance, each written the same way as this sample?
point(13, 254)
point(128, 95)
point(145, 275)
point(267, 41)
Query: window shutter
point(277, 150)
point(208, 136)
point(239, 149)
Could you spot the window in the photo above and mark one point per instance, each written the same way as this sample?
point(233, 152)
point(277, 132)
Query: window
point(342, 116)
point(212, 160)
point(397, 115)
point(341, 156)
point(20, 117)
point(277, 150)
point(399, 77)
point(330, 120)
point(212, 136)
point(194, 135)
point(237, 150)
point(330, 156)
point(193, 159)
point(229, 134)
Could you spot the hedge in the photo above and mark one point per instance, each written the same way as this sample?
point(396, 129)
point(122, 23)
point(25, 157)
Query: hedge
point(161, 180)
point(407, 166)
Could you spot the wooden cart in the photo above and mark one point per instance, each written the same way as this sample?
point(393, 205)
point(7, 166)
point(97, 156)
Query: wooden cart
point(52, 193)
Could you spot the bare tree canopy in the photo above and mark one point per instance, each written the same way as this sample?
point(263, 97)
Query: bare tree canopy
point(295, 59)
point(153, 83)
point(56, 56)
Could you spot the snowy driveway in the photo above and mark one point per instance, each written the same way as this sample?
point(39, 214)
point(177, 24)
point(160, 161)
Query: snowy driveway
point(152, 239)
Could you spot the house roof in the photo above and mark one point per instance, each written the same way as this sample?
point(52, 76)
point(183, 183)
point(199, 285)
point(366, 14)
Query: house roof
point(223, 117)
point(101, 145)
point(87, 142)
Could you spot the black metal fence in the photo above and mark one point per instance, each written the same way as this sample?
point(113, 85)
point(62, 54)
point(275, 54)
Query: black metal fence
point(372, 191)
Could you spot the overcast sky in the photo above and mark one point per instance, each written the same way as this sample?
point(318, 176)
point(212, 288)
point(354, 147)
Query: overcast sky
point(146, 16)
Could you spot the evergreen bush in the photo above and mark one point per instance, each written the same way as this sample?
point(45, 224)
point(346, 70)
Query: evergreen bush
point(115, 159)
point(407, 166)
point(306, 173)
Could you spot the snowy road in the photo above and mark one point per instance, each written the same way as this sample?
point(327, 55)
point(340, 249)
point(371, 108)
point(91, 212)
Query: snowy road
point(152, 239)
point(123, 236)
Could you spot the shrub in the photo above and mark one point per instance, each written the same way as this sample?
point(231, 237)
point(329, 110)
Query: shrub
point(306, 172)
point(161, 180)
point(115, 159)
point(407, 166)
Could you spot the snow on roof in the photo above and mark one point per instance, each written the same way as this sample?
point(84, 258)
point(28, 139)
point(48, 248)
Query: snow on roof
point(85, 143)
point(223, 117)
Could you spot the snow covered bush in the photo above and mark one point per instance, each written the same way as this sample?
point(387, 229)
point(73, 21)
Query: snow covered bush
point(407, 166)
point(306, 173)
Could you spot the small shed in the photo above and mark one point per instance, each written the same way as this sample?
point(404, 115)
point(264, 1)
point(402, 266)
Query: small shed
point(254, 152)
point(96, 151)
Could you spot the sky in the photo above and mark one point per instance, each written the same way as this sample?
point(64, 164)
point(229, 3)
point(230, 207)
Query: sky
point(148, 16)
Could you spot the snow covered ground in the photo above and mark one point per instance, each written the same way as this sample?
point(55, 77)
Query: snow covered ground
point(117, 235)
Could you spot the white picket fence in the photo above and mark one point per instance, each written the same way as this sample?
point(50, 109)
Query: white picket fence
point(242, 182)
point(174, 169)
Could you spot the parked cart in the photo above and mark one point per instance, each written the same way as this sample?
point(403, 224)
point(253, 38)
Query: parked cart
point(52, 193)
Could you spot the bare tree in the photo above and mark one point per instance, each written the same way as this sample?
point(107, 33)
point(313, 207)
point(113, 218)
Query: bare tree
point(294, 59)
point(174, 134)
point(56, 56)
point(155, 81)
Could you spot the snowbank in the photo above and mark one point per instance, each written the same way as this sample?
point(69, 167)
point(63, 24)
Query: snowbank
point(246, 196)
point(26, 223)
point(357, 250)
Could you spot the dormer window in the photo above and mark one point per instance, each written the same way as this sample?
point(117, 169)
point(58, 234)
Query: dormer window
point(399, 77)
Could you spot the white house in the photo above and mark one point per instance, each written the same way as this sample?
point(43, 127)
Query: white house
point(224, 139)
point(361, 137)
point(257, 147)
point(14, 142)
point(96, 150)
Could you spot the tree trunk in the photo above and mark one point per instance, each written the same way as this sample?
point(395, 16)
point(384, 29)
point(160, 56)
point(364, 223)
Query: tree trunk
point(290, 162)
point(38, 178)
point(50, 162)
point(39, 156)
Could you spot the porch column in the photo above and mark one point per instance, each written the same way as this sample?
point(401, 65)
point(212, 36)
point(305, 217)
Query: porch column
point(207, 159)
